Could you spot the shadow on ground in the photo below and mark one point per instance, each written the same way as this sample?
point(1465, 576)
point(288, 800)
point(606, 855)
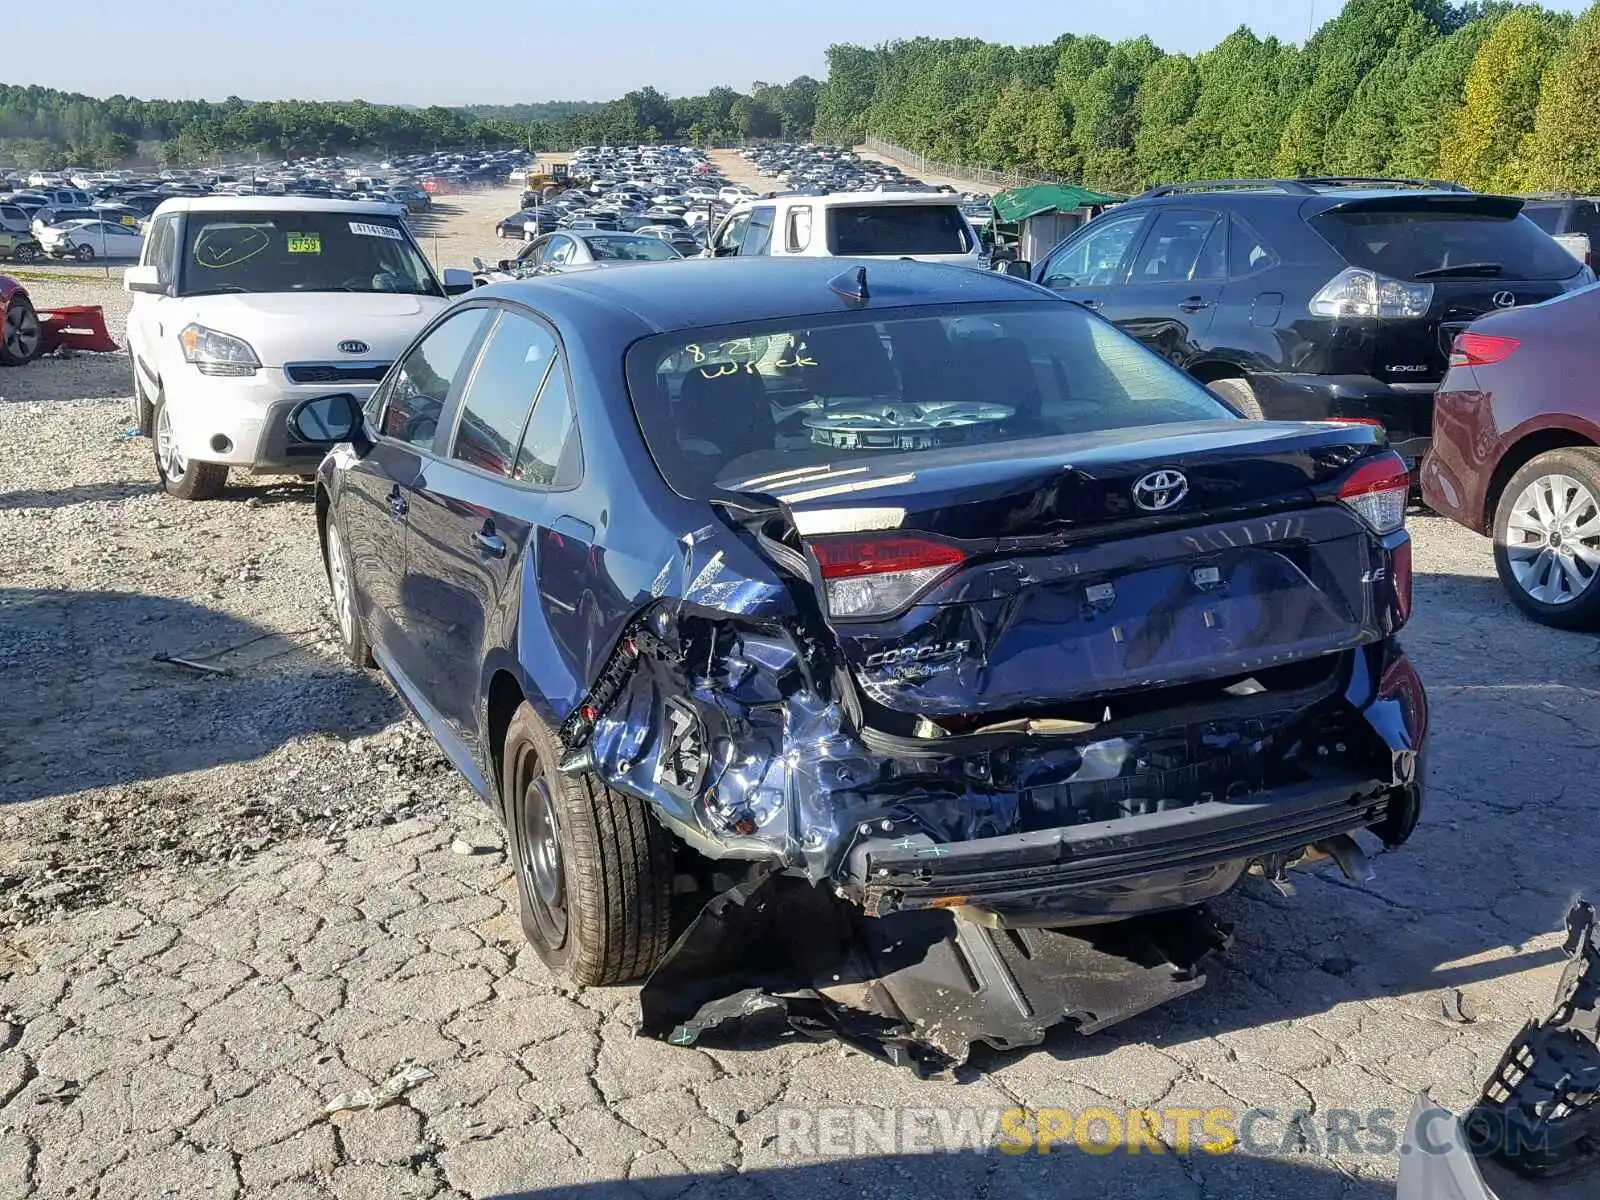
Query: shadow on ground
point(84, 703)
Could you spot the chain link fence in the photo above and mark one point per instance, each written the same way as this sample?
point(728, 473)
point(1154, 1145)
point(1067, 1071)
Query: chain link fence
point(923, 166)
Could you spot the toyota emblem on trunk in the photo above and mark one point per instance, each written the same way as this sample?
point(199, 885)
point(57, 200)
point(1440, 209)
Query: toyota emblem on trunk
point(353, 347)
point(1505, 299)
point(1160, 490)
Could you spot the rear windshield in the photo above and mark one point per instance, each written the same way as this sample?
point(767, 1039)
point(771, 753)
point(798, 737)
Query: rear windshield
point(718, 405)
point(897, 229)
point(630, 249)
point(300, 252)
point(1433, 243)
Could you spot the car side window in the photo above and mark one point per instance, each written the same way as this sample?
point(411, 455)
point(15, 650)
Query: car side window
point(1171, 253)
point(549, 455)
point(499, 396)
point(731, 237)
point(1248, 251)
point(422, 381)
point(559, 251)
point(797, 232)
point(758, 237)
point(1093, 259)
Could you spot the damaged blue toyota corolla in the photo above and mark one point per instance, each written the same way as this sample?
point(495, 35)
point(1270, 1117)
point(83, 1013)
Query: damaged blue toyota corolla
point(903, 648)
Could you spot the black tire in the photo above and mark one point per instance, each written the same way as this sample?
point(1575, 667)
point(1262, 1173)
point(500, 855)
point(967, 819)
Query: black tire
point(593, 868)
point(19, 333)
point(195, 480)
point(25, 253)
point(144, 413)
point(1582, 609)
point(346, 616)
point(1238, 393)
point(84, 254)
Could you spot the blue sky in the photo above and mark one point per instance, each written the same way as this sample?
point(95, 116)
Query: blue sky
point(452, 52)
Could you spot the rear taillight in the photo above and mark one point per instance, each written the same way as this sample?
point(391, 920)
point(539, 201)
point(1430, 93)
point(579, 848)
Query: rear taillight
point(1377, 491)
point(1481, 349)
point(874, 576)
point(1355, 292)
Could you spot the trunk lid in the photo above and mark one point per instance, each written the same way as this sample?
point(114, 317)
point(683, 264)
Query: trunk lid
point(1068, 570)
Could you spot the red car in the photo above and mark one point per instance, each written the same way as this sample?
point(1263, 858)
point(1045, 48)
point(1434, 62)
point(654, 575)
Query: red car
point(19, 333)
point(1516, 452)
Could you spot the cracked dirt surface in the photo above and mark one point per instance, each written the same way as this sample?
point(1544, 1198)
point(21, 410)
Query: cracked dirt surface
point(226, 899)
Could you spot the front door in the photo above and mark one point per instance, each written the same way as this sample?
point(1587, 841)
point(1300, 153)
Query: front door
point(380, 492)
point(477, 506)
point(1086, 267)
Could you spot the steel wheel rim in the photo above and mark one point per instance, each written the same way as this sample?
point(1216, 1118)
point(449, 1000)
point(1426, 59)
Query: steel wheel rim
point(339, 584)
point(22, 330)
point(168, 457)
point(1552, 540)
point(541, 866)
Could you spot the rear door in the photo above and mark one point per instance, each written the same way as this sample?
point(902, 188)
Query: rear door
point(477, 505)
point(1089, 264)
point(1175, 283)
point(379, 491)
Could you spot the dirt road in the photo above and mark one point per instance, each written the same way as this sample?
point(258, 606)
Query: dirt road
point(226, 900)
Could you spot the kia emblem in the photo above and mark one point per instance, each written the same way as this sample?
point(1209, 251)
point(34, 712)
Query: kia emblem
point(1160, 490)
point(1505, 299)
point(353, 347)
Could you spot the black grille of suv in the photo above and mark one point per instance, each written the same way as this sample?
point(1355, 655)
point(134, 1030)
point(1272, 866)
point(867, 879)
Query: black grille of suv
point(335, 372)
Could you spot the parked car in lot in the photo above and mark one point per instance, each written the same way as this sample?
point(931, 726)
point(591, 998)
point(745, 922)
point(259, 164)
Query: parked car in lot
point(86, 240)
point(928, 228)
point(19, 325)
point(579, 250)
point(19, 245)
point(907, 583)
point(1574, 221)
point(1516, 452)
point(244, 305)
point(1314, 298)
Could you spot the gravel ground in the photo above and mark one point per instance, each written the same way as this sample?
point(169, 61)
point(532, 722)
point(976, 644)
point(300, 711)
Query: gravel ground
point(225, 899)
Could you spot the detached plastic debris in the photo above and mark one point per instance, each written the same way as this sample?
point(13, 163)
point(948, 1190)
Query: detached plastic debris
point(1540, 1111)
point(405, 1077)
point(916, 989)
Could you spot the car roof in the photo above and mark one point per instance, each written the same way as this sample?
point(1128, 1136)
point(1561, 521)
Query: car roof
point(702, 292)
point(290, 204)
point(829, 199)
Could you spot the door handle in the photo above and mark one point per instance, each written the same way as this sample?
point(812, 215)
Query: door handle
point(1194, 304)
point(489, 542)
point(397, 502)
point(1092, 305)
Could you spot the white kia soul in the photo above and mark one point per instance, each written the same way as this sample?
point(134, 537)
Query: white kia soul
point(245, 305)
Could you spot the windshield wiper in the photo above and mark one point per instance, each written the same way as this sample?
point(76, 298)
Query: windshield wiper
point(1484, 269)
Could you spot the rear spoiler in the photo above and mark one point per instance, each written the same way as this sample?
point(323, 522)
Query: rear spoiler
point(1502, 207)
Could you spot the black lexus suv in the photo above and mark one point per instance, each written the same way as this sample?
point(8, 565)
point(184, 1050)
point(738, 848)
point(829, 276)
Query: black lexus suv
point(1305, 299)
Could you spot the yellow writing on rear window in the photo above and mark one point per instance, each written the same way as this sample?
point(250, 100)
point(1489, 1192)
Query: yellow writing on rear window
point(305, 243)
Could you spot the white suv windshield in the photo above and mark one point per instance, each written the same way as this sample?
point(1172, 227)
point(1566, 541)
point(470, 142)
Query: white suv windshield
point(300, 252)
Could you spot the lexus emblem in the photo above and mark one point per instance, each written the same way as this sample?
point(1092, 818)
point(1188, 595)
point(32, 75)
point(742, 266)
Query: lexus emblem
point(1160, 490)
point(1505, 299)
point(353, 347)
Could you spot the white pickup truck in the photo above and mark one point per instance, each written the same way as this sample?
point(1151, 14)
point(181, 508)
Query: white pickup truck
point(925, 226)
point(1574, 221)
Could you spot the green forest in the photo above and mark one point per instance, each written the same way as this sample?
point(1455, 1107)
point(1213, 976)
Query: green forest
point(1498, 96)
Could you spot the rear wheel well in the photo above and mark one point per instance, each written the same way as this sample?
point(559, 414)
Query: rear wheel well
point(1519, 456)
point(1210, 372)
point(505, 697)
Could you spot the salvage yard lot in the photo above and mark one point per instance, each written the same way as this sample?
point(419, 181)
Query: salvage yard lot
point(226, 899)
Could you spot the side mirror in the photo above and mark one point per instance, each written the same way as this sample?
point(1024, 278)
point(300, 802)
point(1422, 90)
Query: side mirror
point(329, 420)
point(477, 264)
point(144, 279)
point(456, 281)
point(1017, 268)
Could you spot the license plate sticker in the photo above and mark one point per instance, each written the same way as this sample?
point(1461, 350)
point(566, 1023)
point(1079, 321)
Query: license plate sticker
point(305, 243)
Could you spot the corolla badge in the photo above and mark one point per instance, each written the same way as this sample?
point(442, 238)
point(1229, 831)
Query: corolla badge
point(353, 347)
point(1505, 299)
point(1160, 490)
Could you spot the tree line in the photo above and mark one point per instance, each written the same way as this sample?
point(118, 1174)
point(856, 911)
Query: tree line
point(1498, 96)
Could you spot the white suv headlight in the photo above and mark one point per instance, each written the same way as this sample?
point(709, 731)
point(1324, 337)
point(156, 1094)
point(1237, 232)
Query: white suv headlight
point(217, 353)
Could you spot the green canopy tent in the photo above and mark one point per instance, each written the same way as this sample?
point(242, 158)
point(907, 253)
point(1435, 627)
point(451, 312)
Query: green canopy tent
point(1046, 213)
